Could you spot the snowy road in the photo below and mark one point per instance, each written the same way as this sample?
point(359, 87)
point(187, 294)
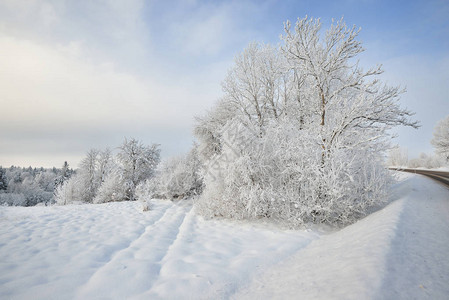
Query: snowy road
point(116, 251)
point(441, 176)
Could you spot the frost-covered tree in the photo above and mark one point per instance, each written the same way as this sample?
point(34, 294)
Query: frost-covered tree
point(441, 138)
point(64, 174)
point(3, 184)
point(345, 99)
point(46, 180)
point(113, 188)
point(105, 165)
point(397, 157)
point(177, 178)
point(257, 85)
point(136, 163)
point(67, 192)
point(87, 176)
point(300, 133)
point(83, 186)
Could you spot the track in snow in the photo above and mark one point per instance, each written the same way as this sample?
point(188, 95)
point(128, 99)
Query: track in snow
point(116, 251)
point(144, 254)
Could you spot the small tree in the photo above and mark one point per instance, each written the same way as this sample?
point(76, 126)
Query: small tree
point(112, 189)
point(63, 175)
point(105, 165)
point(88, 176)
point(136, 162)
point(67, 192)
point(441, 139)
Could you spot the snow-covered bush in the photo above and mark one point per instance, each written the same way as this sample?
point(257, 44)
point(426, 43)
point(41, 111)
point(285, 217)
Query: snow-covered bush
point(112, 189)
point(177, 178)
point(300, 133)
point(282, 177)
point(12, 199)
point(33, 193)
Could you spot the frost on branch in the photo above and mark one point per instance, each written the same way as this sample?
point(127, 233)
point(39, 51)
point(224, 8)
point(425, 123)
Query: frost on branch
point(300, 133)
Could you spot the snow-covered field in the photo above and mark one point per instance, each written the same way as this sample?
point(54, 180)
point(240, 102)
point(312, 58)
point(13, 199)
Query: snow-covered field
point(116, 251)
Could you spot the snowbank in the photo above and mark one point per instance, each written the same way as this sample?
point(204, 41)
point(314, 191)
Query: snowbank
point(399, 252)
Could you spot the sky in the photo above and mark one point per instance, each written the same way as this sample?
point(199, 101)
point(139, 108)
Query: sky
point(76, 75)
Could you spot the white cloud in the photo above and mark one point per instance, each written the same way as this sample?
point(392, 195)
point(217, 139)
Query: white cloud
point(53, 93)
point(41, 82)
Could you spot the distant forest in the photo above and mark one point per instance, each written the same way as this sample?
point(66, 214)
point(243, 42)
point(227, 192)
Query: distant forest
point(31, 186)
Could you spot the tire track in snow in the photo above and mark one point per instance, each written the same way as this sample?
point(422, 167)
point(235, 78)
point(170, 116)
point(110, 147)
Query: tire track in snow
point(154, 219)
point(68, 244)
point(212, 259)
point(185, 231)
point(144, 254)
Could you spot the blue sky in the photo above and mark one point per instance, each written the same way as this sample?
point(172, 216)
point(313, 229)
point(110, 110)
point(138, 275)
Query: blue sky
point(77, 75)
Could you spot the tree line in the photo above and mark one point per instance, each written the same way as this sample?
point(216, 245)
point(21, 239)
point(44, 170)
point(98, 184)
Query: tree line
point(31, 186)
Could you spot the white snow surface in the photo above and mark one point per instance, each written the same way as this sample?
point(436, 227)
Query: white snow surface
point(117, 251)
